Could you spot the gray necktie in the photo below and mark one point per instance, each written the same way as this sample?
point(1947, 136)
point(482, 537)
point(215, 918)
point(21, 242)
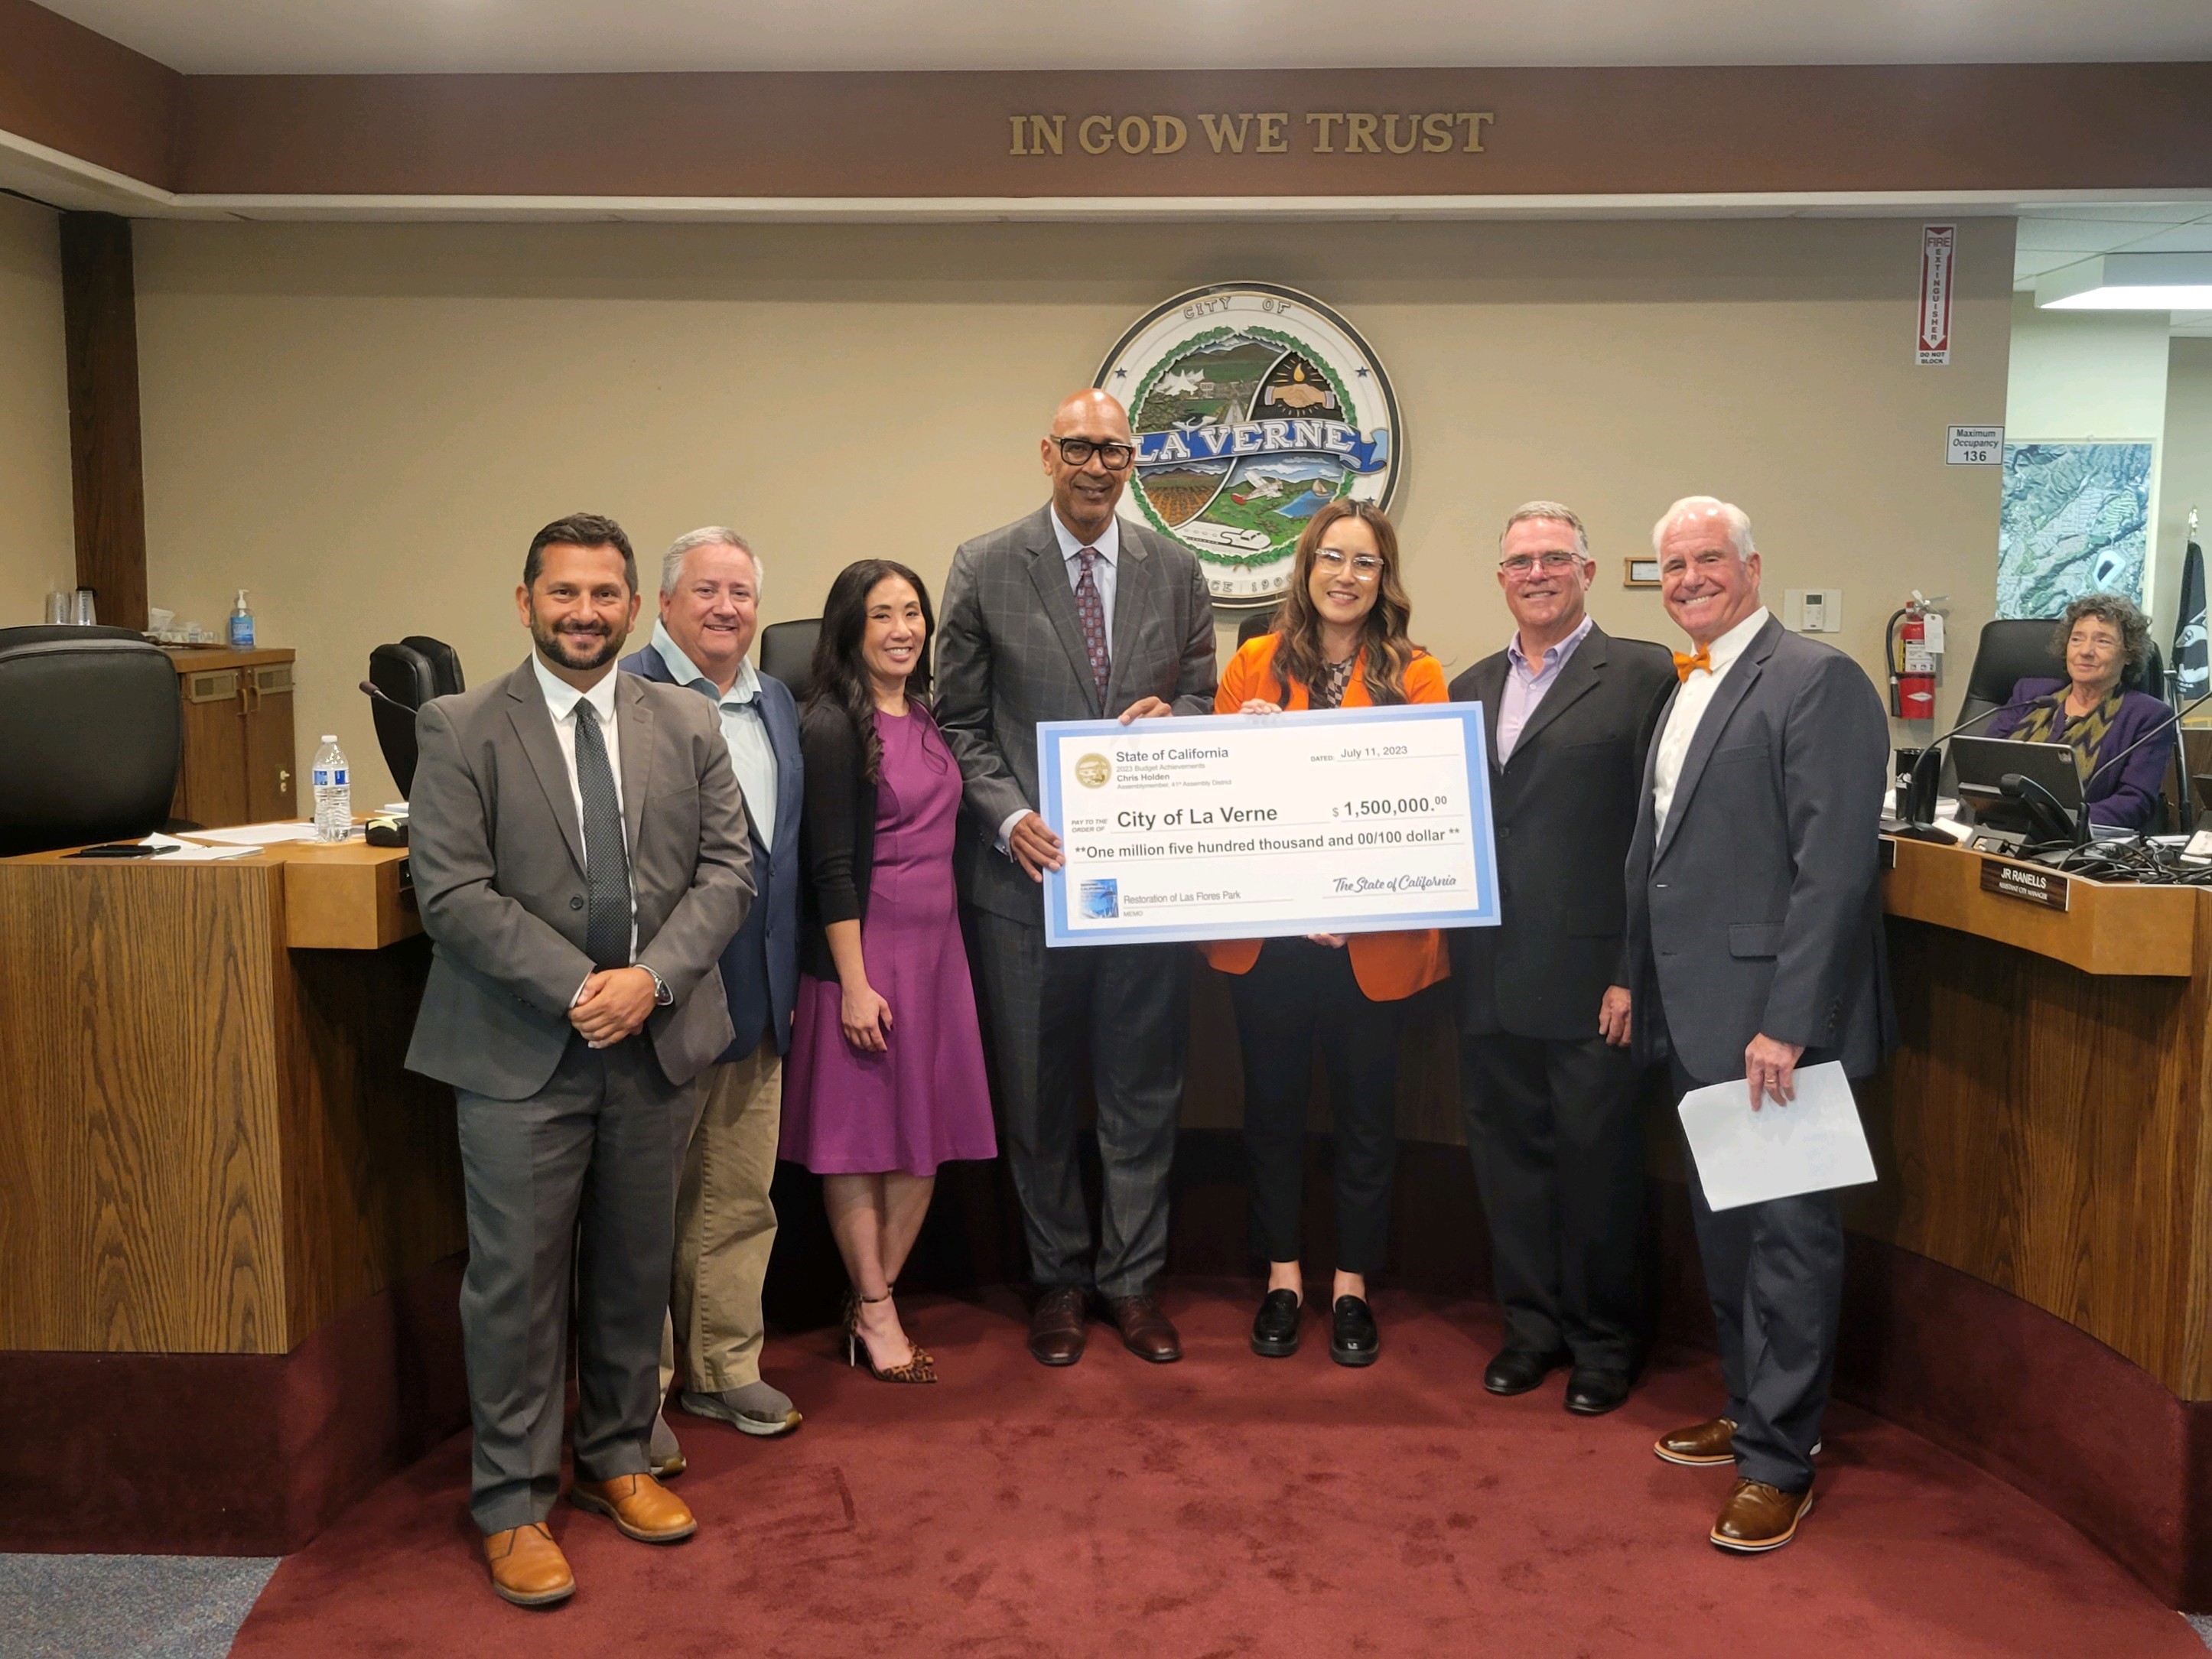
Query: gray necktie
point(606, 866)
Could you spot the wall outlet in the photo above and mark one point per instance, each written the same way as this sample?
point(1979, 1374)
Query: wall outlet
point(1813, 610)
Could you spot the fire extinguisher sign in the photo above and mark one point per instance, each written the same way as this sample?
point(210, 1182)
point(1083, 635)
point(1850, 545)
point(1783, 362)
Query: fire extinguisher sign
point(1939, 246)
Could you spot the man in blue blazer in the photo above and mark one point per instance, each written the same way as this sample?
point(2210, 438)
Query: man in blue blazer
point(725, 1225)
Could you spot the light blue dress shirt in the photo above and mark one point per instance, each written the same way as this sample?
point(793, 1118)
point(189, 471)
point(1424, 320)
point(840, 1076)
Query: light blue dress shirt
point(1524, 689)
point(745, 729)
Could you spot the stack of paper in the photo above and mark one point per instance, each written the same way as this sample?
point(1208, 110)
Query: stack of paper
point(1812, 1144)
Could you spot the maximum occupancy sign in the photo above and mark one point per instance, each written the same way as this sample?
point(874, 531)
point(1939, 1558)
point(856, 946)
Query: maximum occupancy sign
point(1253, 405)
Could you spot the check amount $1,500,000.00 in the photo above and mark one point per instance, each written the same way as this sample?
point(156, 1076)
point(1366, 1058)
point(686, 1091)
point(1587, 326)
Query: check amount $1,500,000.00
point(1278, 829)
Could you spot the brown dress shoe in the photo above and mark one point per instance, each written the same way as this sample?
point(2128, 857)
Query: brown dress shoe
point(1699, 1444)
point(527, 1567)
point(1146, 1331)
point(1758, 1516)
point(1056, 1326)
point(639, 1505)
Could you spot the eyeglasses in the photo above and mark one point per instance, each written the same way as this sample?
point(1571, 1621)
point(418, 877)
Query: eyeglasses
point(1077, 451)
point(1365, 566)
point(1524, 565)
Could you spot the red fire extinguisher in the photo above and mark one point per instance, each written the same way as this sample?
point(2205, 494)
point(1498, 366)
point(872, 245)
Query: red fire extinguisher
point(1914, 660)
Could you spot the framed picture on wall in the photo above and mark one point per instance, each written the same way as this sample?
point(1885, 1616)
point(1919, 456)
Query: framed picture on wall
point(1640, 573)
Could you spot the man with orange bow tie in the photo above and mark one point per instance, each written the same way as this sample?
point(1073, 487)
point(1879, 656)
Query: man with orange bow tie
point(1754, 947)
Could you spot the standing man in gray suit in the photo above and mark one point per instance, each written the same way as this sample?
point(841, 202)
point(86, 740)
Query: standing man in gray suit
point(1073, 613)
point(580, 856)
point(1755, 944)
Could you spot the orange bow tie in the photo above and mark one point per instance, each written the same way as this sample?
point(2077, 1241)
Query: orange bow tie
point(1685, 662)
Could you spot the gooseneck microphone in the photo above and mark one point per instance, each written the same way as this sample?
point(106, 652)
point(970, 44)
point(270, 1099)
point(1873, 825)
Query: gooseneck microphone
point(380, 695)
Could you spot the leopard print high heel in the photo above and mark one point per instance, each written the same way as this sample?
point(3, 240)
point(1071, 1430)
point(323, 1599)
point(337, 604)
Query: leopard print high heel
point(920, 1369)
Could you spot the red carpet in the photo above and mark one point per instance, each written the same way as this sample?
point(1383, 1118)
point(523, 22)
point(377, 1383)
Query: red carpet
point(1230, 1505)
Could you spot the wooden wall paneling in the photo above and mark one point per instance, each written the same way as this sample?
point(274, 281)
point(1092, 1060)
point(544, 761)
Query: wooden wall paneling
point(372, 1158)
point(100, 325)
point(142, 1186)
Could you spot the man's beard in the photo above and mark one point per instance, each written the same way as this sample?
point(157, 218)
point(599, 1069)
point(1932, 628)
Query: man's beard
point(576, 650)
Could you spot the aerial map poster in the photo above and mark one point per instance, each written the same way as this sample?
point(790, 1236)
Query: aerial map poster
point(2073, 520)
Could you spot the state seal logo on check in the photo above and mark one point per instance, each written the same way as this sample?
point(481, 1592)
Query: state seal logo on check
point(1237, 826)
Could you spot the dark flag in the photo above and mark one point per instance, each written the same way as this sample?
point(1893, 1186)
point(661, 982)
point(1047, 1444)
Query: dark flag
point(2192, 670)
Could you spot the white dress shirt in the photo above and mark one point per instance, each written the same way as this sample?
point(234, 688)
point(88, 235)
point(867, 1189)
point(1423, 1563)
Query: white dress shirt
point(1690, 702)
point(1104, 573)
point(561, 701)
point(744, 729)
point(1525, 687)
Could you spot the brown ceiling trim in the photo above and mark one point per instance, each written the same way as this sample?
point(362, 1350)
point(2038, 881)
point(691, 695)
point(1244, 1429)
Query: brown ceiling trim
point(79, 93)
point(1459, 133)
point(923, 135)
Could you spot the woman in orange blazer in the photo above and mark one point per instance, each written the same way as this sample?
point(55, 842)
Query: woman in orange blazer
point(1339, 642)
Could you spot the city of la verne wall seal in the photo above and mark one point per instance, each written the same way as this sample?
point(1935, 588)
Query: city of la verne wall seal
point(1252, 405)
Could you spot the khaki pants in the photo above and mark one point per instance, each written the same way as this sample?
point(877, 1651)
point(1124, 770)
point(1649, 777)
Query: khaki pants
point(725, 1225)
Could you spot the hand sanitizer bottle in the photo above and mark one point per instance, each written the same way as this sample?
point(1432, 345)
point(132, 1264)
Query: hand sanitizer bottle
point(241, 624)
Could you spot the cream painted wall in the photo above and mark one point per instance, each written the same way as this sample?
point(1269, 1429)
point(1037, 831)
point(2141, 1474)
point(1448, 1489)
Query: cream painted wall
point(2188, 467)
point(2083, 376)
point(364, 424)
point(38, 547)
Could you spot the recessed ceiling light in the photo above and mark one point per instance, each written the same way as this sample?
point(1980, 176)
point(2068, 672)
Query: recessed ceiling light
point(2128, 282)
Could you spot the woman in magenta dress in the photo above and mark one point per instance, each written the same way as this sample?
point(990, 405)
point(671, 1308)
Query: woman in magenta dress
point(885, 1079)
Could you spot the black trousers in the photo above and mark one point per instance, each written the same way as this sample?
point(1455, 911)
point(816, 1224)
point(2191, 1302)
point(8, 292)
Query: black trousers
point(1296, 994)
point(1558, 1160)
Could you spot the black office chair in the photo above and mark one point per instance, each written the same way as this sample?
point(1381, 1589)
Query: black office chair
point(409, 674)
point(2014, 648)
point(1255, 624)
point(91, 735)
point(787, 653)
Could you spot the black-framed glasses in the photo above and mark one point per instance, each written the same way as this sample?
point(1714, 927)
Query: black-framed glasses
point(1525, 564)
point(1114, 457)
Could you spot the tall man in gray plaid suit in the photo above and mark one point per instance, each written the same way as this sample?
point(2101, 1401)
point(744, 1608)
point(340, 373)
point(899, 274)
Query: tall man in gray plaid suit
point(1073, 613)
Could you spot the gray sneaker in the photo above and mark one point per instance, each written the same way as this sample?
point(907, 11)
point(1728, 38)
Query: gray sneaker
point(662, 1451)
point(756, 1408)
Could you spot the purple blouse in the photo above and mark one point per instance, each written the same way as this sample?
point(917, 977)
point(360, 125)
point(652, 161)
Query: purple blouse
point(2126, 795)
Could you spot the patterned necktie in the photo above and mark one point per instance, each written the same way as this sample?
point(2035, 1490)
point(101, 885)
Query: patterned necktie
point(1686, 663)
point(1091, 611)
point(606, 865)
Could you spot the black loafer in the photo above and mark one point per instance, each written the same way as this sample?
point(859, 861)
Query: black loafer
point(1352, 1338)
point(1592, 1392)
point(1275, 1327)
point(1517, 1370)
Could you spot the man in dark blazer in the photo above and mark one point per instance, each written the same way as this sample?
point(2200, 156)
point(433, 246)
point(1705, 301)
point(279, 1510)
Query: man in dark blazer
point(1755, 946)
point(579, 855)
point(1074, 613)
point(1545, 1075)
point(710, 583)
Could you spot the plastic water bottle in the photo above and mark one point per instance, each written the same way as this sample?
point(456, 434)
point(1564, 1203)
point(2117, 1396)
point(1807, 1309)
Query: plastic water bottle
point(241, 626)
point(334, 785)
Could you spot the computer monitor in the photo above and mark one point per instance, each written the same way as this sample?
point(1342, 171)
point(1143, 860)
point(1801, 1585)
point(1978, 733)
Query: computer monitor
point(1983, 763)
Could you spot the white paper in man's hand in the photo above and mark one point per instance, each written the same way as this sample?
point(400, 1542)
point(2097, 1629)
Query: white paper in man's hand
point(1812, 1144)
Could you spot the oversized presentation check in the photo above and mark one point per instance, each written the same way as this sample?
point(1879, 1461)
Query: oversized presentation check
point(1256, 826)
